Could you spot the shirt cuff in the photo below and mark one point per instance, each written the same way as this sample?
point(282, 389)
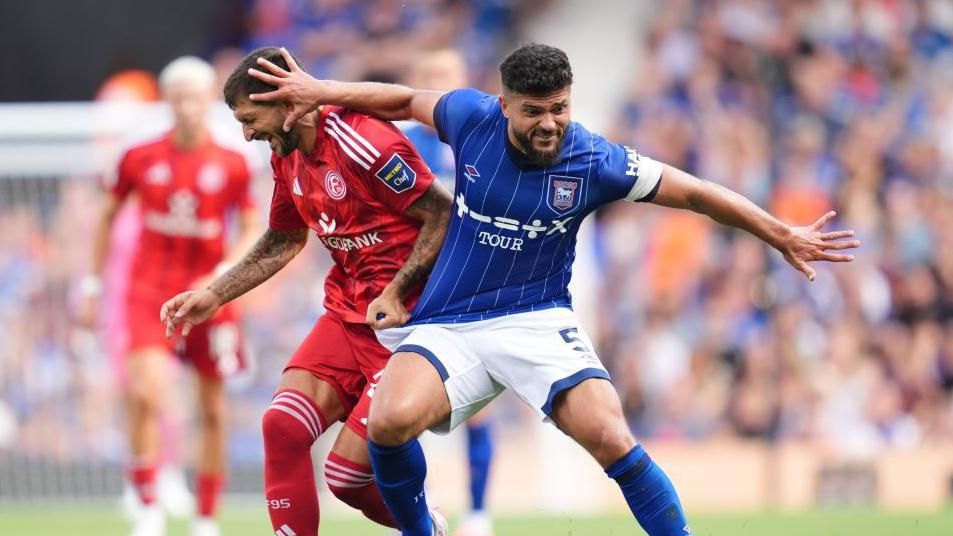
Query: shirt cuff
point(649, 174)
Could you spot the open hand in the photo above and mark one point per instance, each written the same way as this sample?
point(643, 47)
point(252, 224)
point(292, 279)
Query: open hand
point(295, 88)
point(188, 309)
point(808, 244)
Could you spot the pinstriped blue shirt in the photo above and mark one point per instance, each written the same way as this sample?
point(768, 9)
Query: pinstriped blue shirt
point(512, 236)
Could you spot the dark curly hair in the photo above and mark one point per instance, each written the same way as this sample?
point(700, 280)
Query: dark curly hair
point(240, 84)
point(536, 70)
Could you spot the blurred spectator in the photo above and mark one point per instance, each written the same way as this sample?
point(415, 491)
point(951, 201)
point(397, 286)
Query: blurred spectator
point(803, 106)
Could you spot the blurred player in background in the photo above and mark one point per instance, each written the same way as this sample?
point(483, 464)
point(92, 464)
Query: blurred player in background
point(360, 186)
point(172, 489)
point(440, 70)
point(497, 313)
point(446, 70)
point(188, 188)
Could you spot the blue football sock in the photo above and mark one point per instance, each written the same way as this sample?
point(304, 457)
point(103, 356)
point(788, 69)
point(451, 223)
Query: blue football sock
point(400, 472)
point(479, 453)
point(650, 494)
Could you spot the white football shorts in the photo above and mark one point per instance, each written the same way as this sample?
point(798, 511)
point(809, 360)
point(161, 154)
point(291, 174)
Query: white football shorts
point(537, 355)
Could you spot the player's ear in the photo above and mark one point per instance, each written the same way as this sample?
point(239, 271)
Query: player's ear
point(504, 105)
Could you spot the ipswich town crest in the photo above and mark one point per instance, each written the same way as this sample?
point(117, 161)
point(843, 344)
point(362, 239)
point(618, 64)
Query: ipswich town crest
point(564, 193)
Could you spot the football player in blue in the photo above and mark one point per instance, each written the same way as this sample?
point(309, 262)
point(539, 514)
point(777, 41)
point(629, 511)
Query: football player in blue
point(496, 312)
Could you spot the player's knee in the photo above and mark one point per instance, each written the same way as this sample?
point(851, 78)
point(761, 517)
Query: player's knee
point(144, 402)
point(212, 417)
point(393, 425)
point(282, 431)
point(611, 442)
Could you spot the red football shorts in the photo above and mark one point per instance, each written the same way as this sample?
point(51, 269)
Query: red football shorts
point(348, 357)
point(214, 348)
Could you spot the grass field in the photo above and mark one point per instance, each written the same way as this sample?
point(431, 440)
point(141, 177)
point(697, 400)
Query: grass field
point(247, 522)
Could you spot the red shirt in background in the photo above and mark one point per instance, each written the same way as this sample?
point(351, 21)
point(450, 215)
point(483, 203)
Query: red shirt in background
point(185, 197)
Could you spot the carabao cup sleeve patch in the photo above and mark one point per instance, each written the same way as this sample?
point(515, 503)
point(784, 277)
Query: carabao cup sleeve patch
point(397, 175)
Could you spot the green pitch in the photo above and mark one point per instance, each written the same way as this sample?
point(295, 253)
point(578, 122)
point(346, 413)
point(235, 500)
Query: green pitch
point(103, 521)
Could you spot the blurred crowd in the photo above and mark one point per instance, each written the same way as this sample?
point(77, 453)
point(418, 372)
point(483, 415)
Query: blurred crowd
point(803, 106)
point(379, 39)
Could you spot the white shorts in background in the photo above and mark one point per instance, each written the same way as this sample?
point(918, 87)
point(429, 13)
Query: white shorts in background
point(537, 355)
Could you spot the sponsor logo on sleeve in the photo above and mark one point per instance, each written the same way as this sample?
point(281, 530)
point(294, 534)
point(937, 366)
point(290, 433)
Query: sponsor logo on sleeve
point(632, 161)
point(397, 175)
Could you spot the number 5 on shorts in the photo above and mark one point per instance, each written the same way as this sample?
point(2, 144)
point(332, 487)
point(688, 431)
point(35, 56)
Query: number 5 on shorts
point(571, 336)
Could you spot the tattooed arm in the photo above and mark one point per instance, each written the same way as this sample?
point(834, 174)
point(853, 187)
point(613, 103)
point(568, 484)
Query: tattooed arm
point(271, 253)
point(432, 209)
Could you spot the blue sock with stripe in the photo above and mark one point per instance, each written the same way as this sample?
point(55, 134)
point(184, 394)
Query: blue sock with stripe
point(400, 472)
point(479, 453)
point(650, 494)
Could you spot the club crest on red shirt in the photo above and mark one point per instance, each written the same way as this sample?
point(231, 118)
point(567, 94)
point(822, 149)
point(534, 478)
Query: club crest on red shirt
point(334, 185)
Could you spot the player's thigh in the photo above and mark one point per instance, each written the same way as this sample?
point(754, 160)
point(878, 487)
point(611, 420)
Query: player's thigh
point(591, 414)
point(457, 382)
point(211, 400)
point(409, 398)
point(538, 355)
point(325, 369)
point(147, 369)
point(323, 393)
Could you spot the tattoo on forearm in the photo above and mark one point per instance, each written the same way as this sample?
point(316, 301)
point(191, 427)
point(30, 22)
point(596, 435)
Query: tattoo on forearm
point(434, 209)
point(269, 254)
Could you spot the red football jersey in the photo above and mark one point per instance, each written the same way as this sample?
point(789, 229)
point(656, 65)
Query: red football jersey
point(353, 190)
point(185, 197)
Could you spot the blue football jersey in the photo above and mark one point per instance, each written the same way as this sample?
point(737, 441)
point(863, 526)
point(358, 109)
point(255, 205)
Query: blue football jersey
point(512, 236)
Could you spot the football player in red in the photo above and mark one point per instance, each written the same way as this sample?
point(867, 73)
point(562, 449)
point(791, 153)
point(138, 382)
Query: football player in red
point(187, 187)
point(361, 187)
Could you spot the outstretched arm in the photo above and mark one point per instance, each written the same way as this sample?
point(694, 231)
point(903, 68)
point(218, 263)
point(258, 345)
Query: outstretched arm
point(432, 209)
point(799, 245)
point(304, 93)
point(271, 253)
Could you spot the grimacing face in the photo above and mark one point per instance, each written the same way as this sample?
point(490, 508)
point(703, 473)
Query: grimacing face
point(538, 124)
point(263, 122)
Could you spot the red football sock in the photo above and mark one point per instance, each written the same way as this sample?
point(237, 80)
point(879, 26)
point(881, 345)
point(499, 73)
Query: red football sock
point(143, 478)
point(208, 487)
point(290, 426)
point(353, 483)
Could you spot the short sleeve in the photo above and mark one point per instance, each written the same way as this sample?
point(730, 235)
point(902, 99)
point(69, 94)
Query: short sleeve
point(125, 177)
point(390, 170)
point(457, 111)
point(284, 214)
point(628, 175)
